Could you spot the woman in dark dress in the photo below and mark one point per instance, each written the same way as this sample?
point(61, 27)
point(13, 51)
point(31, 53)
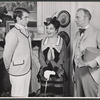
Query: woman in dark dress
point(51, 57)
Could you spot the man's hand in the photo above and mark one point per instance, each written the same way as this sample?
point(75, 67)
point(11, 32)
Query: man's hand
point(73, 77)
point(92, 63)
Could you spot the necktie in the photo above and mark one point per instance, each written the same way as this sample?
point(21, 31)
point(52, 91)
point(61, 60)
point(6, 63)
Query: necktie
point(82, 31)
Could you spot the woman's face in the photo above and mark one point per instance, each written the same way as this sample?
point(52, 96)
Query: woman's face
point(51, 31)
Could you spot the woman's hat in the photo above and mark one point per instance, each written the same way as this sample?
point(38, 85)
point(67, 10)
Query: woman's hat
point(48, 21)
point(53, 21)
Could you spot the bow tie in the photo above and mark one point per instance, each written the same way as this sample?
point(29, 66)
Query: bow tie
point(81, 31)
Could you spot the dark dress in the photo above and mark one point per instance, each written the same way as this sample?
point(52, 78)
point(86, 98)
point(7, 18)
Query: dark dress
point(54, 86)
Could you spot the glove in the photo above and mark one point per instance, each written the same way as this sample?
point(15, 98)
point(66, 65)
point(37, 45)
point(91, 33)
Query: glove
point(47, 74)
point(59, 71)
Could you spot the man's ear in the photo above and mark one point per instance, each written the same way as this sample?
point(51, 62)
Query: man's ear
point(86, 18)
point(17, 18)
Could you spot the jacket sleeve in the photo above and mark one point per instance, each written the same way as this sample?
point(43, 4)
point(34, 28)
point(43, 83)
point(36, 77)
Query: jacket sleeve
point(10, 45)
point(42, 58)
point(42, 64)
point(98, 45)
point(62, 55)
point(58, 68)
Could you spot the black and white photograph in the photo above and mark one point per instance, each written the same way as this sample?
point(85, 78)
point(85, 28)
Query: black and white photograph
point(49, 49)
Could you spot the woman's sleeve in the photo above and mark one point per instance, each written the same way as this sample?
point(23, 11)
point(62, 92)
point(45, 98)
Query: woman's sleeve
point(42, 64)
point(42, 58)
point(59, 65)
point(61, 57)
point(62, 54)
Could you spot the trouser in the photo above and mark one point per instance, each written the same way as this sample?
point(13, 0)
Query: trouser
point(85, 84)
point(20, 85)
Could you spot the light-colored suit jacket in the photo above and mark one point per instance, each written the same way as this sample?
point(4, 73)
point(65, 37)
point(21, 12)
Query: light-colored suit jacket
point(17, 51)
point(91, 38)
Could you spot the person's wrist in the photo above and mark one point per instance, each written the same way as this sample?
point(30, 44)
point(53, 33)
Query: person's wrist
point(93, 64)
point(96, 63)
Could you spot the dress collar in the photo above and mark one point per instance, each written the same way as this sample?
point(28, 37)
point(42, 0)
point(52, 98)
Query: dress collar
point(57, 45)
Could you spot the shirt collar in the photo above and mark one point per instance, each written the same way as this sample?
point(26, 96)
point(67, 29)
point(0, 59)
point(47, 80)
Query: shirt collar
point(21, 26)
point(86, 26)
point(22, 29)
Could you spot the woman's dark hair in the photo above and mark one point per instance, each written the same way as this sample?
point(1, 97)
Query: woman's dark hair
point(18, 12)
point(53, 21)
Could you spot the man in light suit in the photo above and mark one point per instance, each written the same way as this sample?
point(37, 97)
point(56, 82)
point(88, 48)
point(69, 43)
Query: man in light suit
point(17, 54)
point(86, 84)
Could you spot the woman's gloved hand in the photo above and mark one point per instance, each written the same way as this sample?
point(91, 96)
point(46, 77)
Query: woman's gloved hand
point(47, 74)
point(59, 71)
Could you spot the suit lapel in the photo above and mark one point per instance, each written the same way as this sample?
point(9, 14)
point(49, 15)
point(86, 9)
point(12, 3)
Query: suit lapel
point(24, 32)
point(87, 32)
